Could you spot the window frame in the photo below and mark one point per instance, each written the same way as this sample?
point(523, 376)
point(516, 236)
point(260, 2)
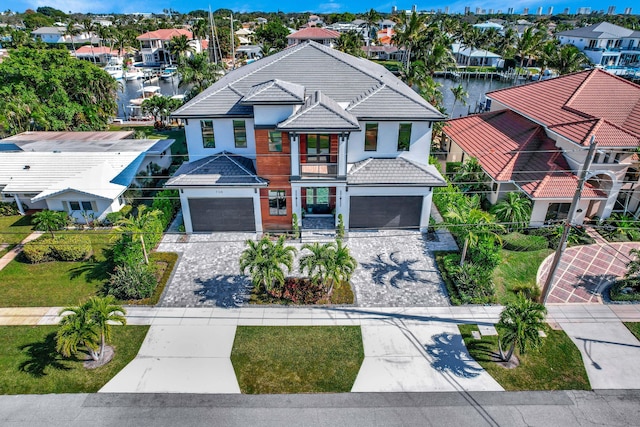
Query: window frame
point(240, 133)
point(369, 130)
point(280, 199)
point(207, 143)
point(273, 143)
point(318, 154)
point(403, 132)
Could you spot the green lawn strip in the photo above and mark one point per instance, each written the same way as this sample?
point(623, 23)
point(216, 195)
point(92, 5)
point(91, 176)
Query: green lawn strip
point(55, 283)
point(13, 230)
point(29, 363)
point(556, 365)
point(517, 270)
point(634, 327)
point(297, 359)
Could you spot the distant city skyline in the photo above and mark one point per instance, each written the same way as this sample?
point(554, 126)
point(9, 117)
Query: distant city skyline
point(329, 6)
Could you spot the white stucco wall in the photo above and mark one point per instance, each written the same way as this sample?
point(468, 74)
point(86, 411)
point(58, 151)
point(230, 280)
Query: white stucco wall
point(540, 207)
point(223, 132)
point(388, 142)
point(264, 115)
point(103, 206)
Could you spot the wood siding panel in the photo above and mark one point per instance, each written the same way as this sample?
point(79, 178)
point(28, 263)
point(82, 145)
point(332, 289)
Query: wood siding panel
point(275, 167)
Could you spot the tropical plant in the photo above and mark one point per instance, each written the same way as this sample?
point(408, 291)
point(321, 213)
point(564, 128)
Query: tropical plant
point(408, 32)
point(137, 226)
point(134, 281)
point(371, 19)
point(519, 324)
point(351, 43)
point(340, 228)
point(459, 94)
point(315, 263)
point(199, 73)
point(514, 209)
point(179, 46)
point(264, 260)
point(470, 177)
point(329, 263)
point(77, 330)
point(633, 266)
point(104, 312)
point(273, 34)
point(50, 221)
point(565, 59)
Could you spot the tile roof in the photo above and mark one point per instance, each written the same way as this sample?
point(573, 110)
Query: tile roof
point(511, 148)
point(223, 169)
point(314, 33)
point(275, 91)
point(342, 77)
point(567, 104)
point(321, 113)
point(165, 34)
point(603, 30)
point(396, 171)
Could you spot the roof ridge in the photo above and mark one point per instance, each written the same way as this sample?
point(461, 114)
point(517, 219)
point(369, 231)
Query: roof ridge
point(362, 164)
point(521, 151)
point(226, 154)
point(579, 88)
point(362, 97)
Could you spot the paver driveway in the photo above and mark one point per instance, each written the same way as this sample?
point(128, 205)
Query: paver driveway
point(396, 269)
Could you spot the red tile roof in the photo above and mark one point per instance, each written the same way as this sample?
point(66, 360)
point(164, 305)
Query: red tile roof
point(165, 34)
point(95, 50)
point(579, 105)
point(314, 33)
point(511, 148)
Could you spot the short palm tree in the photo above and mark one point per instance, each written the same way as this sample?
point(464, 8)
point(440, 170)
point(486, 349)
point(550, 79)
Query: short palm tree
point(519, 324)
point(515, 210)
point(50, 221)
point(138, 225)
point(341, 264)
point(76, 331)
point(104, 312)
point(265, 261)
point(328, 263)
point(315, 262)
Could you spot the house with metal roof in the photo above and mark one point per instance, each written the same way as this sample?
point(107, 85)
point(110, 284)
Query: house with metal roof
point(309, 131)
point(536, 137)
point(82, 173)
point(605, 44)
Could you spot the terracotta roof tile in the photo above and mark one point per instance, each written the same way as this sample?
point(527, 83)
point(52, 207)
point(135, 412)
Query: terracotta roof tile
point(314, 33)
point(165, 34)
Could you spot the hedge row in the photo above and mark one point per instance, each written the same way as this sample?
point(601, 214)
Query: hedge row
point(62, 247)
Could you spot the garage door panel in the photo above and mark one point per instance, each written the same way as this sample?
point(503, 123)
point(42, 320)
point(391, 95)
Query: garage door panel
point(222, 214)
point(385, 211)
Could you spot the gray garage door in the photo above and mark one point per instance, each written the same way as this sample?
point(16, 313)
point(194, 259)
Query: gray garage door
point(385, 212)
point(224, 214)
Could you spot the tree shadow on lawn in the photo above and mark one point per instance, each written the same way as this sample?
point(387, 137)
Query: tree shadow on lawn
point(450, 355)
point(225, 290)
point(42, 355)
point(94, 270)
point(393, 271)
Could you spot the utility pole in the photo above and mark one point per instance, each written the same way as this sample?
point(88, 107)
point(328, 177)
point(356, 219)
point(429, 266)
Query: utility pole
point(568, 222)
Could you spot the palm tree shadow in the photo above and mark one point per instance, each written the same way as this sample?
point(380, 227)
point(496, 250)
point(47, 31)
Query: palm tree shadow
point(224, 290)
point(393, 271)
point(450, 355)
point(42, 355)
point(94, 270)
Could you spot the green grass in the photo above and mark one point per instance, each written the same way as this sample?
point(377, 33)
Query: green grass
point(29, 363)
point(297, 359)
point(556, 365)
point(13, 229)
point(517, 270)
point(634, 327)
point(55, 283)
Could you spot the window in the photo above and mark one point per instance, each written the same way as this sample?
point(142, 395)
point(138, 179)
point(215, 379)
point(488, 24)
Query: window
point(75, 206)
point(82, 206)
point(86, 206)
point(318, 147)
point(275, 141)
point(277, 203)
point(607, 157)
point(557, 211)
point(371, 137)
point(240, 133)
point(404, 137)
point(617, 157)
point(208, 138)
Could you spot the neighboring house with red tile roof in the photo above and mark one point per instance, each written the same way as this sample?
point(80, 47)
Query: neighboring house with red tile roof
point(154, 45)
point(320, 35)
point(96, 54)
point(536, 137)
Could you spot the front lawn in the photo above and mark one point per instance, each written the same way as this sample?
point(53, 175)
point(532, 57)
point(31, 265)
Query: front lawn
point(13, 230)
point(517, 271)
point(55, 283)
point(297, 359)
point(556, 365)
point(29, 363)
point(634, 327)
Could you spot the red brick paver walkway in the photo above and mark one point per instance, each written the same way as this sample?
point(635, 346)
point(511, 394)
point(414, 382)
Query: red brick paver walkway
point(585, 270)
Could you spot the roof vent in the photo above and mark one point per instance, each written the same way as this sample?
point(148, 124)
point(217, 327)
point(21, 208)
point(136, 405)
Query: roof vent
point(26, 167)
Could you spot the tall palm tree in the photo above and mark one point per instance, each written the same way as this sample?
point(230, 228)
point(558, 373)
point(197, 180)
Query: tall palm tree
point(72, 31)
point(371, 18)
point(519, 324)
point(104, 312)
point(198, 72)
point(408, 32)
point(440, 58)
point(459, 94)
point(351, 43)
point(529, 45)
point(138, 225)
point(515, 210)
point(566, 59)
point(76, 331)
point(179, 47)
point(264, 260)
point(50, 221)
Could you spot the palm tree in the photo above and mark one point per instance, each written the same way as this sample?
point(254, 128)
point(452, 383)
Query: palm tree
point(341, 264)
point(179, 46)
point(459, 94)
point(315, 263)
point(633, 266)
point(408, 33)
point(370, 18)
point(519, 324)
point(351, 43)
point(515, 210)
point(198, 72)
point(76, 331)
point(471, 178)
point(50, 221)
point(529, 45)
point(567, 59)
point(137, 226)
point(104, 312)
point(440, 58)
point(264, 260)
point(72, 31)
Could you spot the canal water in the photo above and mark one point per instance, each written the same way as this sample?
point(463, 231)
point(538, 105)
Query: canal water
point(131, 89)
point(476, 88)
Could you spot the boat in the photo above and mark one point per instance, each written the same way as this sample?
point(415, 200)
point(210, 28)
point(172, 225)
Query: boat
point(133, 74)
point(114, 70)
point(146, 93)
point(168, 72)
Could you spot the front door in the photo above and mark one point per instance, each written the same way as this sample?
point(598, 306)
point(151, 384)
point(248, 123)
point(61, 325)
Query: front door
point(318, 201)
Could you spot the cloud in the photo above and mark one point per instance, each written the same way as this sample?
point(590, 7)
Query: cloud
point(329, 7)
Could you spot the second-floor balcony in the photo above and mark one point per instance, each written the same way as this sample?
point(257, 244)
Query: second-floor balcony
point(318, 170)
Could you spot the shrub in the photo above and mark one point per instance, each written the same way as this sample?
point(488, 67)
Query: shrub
point(486, 253)
point(8, 208)
point(113, 217)
point(625, 290)
point(340, 229)
point(135, 281)
point(71, 247)
point(524, 242)
point(294, 226)
point(469, 284)
point(167, 202)
point(302, 291)
point(38, 250)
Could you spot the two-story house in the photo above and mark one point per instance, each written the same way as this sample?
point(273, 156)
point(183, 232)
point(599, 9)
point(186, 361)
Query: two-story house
point(320, 35)
point(605, 44)
point(536, 137)
point(154, 45)
point(311, 131)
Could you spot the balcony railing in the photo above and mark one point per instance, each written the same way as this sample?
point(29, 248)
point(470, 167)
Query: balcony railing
point(318, 170)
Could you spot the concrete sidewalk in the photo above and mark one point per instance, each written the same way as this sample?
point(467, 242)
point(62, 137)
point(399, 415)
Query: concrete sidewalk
point(13, 253)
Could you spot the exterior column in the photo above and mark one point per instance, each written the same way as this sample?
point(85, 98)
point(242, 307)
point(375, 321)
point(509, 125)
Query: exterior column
point(295, 154)
point(426, 212)
point(296, 201)
point(342, 155)
point(19, 203)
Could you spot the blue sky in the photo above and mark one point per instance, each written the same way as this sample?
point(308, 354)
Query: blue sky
point(323, 6)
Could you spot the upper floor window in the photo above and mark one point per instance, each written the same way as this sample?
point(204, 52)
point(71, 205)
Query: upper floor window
point(275, 141)
point(404, 137)
point(318, 148)
point(277, 202)
point(208, 138)
point(371, 137)
point(240, 133)
point(617, 158)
